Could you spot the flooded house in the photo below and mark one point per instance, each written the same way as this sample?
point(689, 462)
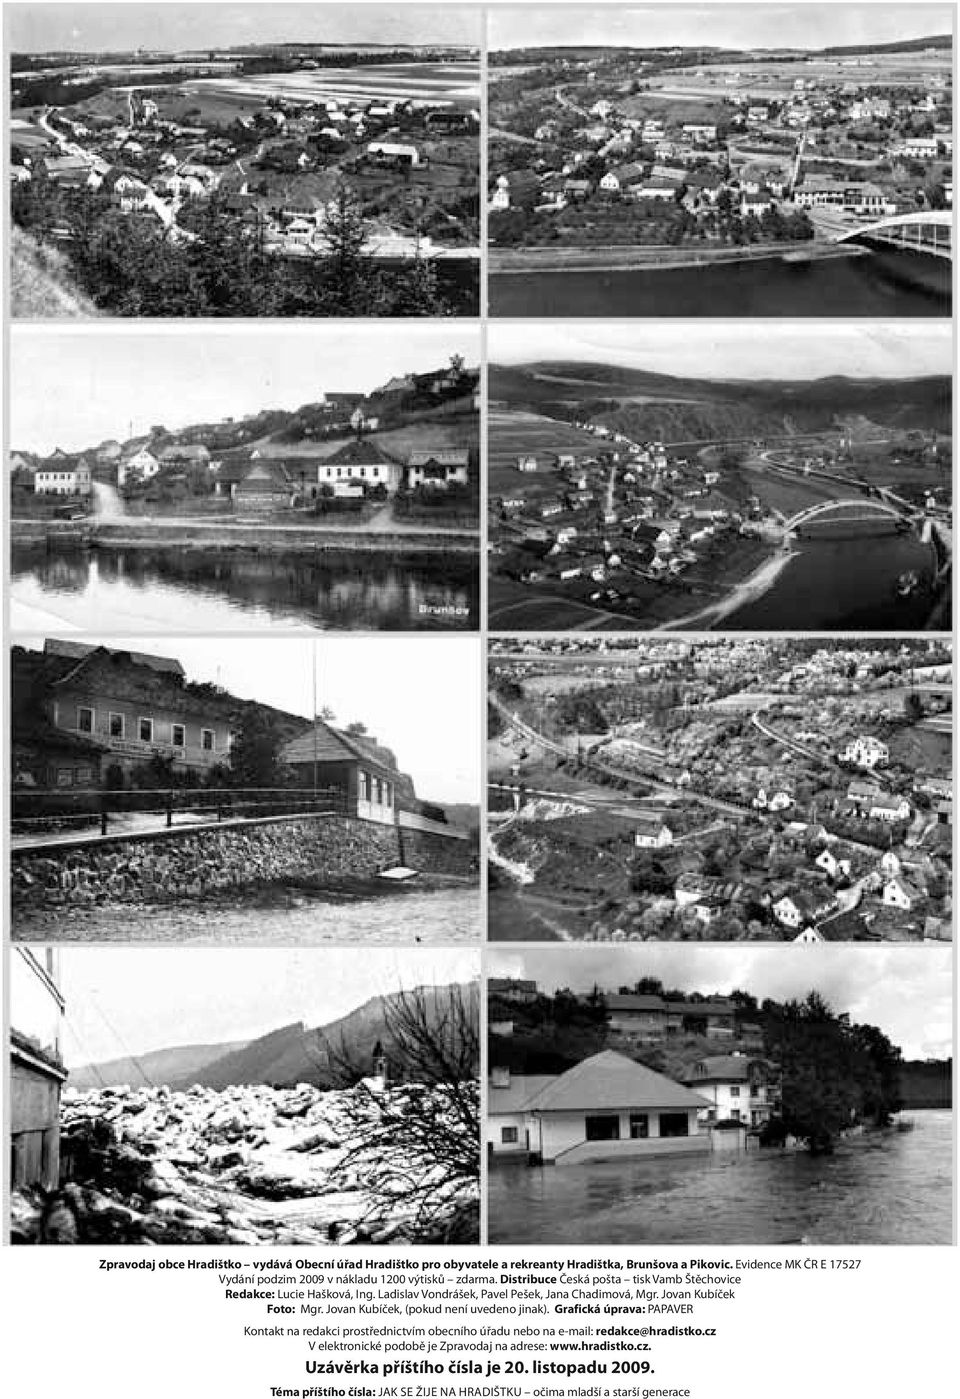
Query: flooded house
point(604, 1108)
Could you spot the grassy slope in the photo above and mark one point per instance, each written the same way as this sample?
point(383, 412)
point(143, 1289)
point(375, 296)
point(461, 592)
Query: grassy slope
point(41, 283)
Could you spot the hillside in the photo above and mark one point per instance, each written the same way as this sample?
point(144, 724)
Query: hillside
point(182, 1063)
point(647, 405)
point(288, 1055)
point(41, 283)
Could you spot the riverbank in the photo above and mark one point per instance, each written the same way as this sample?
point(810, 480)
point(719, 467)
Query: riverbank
point(147, 533)
point(630, 257)
point(760, 582)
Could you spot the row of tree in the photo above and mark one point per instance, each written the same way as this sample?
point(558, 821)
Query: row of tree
point(128, 267)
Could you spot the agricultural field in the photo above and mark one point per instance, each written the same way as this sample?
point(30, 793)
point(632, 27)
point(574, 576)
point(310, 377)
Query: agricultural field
point(512, 433)
point(455, 85)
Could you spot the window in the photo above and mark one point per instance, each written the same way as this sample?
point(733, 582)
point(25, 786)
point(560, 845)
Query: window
point(602, 1127)
point(64, 777)
point(83, 774)
point(116, 726)
point(377, 791)
point(364, 786)
point(735, 1115)
point(639, 1125)
point(84, 719)
point(509, 1136)
point(387, 794)
point(674, 1124)
point(207, 740)
point(178, 736)
point(146, 730)
point(735, 1091)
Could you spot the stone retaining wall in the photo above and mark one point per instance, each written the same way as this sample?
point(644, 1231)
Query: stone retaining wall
point(176, 865)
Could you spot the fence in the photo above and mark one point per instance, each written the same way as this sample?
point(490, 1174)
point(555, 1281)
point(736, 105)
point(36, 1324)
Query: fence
point(43, 810)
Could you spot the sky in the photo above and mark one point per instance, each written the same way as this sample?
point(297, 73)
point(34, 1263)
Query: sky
point(123, 1000)
point(906, 991)
point(119, 27)
point(421, 696)
point(68, 390)
point(735, 350)
point(804, 26)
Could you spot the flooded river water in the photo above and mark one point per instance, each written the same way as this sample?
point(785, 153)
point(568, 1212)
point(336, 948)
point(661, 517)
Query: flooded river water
point(882, 1188)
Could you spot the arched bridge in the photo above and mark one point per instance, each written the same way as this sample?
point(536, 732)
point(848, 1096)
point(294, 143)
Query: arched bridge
point(927, 231)
point(848, 510)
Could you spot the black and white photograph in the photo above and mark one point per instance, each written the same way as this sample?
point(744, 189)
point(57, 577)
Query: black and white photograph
point(212, 790)
point(304, 478)
point(720, 160)
point(245, 160)
point(720, 1096)
point(244, 1097)
point(643, 477)
point(788, 790)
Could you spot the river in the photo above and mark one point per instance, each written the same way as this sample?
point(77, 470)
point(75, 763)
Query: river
point(231, 590)
point(844, 583)
point(884, 1188)
point(878, 285)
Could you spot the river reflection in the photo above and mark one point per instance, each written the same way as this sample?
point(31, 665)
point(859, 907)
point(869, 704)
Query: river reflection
point(234, 590)
point(883, 1188)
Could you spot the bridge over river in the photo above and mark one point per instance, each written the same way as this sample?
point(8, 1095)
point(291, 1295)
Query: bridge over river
point(926, 231)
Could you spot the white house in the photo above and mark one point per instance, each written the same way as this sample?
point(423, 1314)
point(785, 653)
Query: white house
point(736, 1087)
point(65, 478)
point(890, 809)
point(803, 906)
point(606, 1107)
point(359, 462)
point(900, 893)
point(652, 833)
point(394, 152)
point(831, 866)
point(449, 466)
point(867, 752)
point(141, 464)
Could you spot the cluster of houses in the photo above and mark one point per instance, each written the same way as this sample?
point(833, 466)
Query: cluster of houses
point(742, 163)
point(609, 1105)
point(626, 511)
point(213, 460)
point(154, 166)
point(86, 715)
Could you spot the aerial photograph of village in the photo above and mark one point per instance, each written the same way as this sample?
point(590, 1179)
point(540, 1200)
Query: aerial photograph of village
point(216, 790)
point(323, 1098)
point(794, 790)
point(798, 480)
point(303, 477)
point(277, 160)
point(743, 160)
point(720, 1096)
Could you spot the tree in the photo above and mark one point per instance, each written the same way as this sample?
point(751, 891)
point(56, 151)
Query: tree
point(255, 753)
point(419, 1142)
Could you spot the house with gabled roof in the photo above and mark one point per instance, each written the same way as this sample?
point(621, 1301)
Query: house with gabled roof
point(360, 461)
point(738, 1087)
point(439, 469)
point(606, 1107)
point(80, 708)
point(365, 773)
point(265, 486)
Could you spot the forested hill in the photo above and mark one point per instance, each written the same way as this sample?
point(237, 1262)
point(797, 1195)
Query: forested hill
point(648, 405)
point(926, 1083)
